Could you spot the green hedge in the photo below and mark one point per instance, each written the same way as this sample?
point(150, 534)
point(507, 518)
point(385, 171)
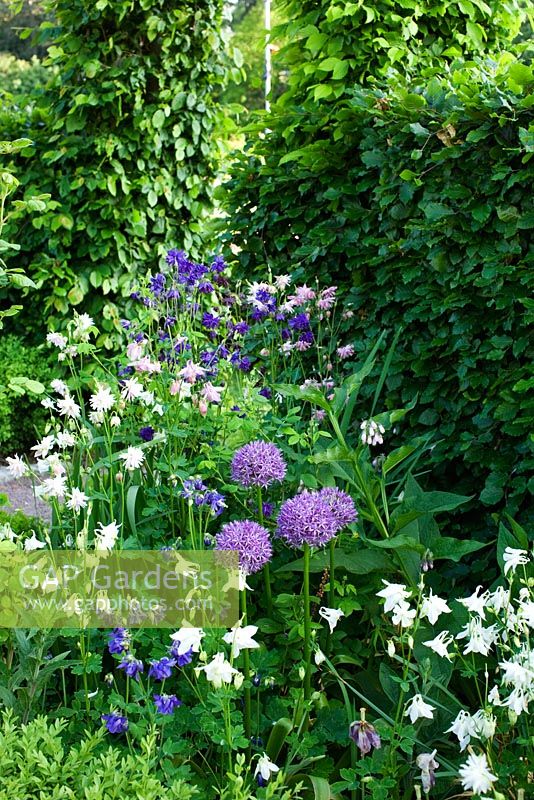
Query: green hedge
point(125, 144)
point(418, 200)
point(22, 418)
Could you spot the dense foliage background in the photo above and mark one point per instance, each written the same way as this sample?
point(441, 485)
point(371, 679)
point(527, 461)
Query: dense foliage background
point(412, 192)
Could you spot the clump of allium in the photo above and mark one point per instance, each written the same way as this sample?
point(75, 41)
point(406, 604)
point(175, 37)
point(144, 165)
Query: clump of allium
point(252, 542)
point(307, 519)
point(258, 464)
point(340, 504)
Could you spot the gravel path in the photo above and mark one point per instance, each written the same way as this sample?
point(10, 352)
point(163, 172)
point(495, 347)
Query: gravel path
point(20, 493)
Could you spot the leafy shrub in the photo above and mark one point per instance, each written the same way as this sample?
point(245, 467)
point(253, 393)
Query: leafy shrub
point(21, 416)
point(19, 522)
point(418, 199)
point(20, 77)
point(125, 144)
point(36, 762)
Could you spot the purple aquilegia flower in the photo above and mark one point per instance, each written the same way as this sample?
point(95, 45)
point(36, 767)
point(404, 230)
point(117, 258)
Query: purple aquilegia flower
point(146, 433)
point(365, 736)
point(159, 670)
point(251, 541)
point(258, 464)
point(340, 504)
point(210, 321)
point(132, 666)
point(166, 703)
point(181, 659)
point(218, 264)
point(306, 519)
point(115, 722)
point(266, 392)
point(119, 641)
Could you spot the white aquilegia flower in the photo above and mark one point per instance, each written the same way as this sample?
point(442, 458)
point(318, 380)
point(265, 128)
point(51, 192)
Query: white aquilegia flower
point(463, 728)
point(57, 339)
point(102, 400)
point(282, 281)
point(33, 543)
point(427, 764)
point(218, 671)
point(479, 639)
point(188, 639)
point(331, 615)
point(65, 439)
point(433, 607)
point(475, 774)
point(106, 537)
point(403, 615)
point(76, 500)
point(265, 767)
point(52, 487)
point(133, 458)
point(393, 594)
point(241, 638)
point(82, 326)
point(319, 657)
point(476, 603)
point(16, 466)
point(484, 724)
point(43, 447)
point(518, 675)
point(513, 558)
point(131, 389)
point(440, 644)
point(517, 701)
point(416, 708)
point(68, 407)
point(59, 386)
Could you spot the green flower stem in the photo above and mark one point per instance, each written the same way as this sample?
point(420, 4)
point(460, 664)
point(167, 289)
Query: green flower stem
point(307, 626)
point(266, 570)
point(246, 672)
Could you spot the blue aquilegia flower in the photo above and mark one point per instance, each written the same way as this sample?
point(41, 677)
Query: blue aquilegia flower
point(115, 722)
point(166, 703)
point(132, 666)
point(181, 659)
point(159, 670)
point(146, 433)
point(258, 464)
point(119, 641)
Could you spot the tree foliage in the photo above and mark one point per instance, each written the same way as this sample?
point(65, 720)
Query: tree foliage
point(124, 142)
point(418, 197)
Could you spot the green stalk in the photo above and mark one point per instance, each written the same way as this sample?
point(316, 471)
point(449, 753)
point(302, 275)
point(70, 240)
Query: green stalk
point(307, 626)
point(266, 570)
point(246, 673)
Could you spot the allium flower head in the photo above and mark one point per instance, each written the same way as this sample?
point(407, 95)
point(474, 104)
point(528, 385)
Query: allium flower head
point(258, 464)
point(306, 519)
point(251, 541)
point(340, 504)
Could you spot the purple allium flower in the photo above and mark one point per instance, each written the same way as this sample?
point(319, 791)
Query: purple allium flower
point(340, 504)
point(251, 541)
point(159, 670)
point(119, 641)
point(115, 722)
point(306, 518)
point(132, 666)
point(166, 703)
point(183, 659)
point(258, 464)
point(365, 736)
point(210, 321)
point(147, 433)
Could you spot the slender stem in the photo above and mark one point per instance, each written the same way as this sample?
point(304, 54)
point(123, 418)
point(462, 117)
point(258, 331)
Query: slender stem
point(246, 672)
point(266, 570)
point(331, 577)
point(307, 627)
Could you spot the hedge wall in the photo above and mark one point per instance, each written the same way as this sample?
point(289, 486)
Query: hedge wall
point(418, 201)
point(124, 142)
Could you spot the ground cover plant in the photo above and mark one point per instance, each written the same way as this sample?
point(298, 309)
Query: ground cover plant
point(229, 420)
